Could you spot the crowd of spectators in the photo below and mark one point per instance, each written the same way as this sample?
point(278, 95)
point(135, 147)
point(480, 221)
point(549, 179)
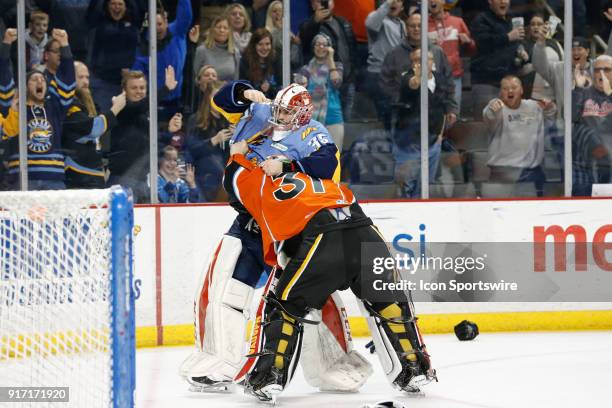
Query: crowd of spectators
point(495, 63)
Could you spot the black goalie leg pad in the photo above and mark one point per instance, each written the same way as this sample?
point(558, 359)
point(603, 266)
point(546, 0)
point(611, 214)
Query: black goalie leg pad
point(277, 362)
point(398, 324)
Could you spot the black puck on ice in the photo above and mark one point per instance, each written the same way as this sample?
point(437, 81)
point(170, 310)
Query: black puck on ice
point(466, 330)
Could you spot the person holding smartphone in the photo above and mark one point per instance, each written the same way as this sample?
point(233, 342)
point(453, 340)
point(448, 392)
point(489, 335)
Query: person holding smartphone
point(340, 31)
point(175, 183)
point(322, 76)
point(498, 40)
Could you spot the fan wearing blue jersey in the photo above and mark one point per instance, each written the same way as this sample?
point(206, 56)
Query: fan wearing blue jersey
point(282, 137)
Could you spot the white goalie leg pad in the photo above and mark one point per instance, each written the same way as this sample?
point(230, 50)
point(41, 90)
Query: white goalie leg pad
point(221, 308)
point(329, 361)
point(387, 355)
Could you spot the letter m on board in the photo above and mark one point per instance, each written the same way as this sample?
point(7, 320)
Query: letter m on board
point(559, 236)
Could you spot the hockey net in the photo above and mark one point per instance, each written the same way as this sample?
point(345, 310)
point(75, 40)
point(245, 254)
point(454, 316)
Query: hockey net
point(66, 306)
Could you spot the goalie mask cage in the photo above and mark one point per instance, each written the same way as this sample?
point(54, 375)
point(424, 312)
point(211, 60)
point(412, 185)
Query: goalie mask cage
point(66, 299)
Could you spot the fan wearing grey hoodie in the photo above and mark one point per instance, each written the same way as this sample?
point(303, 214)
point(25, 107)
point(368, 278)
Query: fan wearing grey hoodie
point(36, 38)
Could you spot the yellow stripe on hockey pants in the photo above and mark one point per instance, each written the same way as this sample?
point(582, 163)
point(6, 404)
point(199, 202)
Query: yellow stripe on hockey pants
point(302, 267)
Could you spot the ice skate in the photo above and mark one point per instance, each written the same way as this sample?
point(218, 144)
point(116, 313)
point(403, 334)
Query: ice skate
point(413, 378)
point(206, 384)
point(265, 386)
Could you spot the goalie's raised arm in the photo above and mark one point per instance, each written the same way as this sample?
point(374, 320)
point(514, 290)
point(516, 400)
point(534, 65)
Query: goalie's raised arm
point(231, 100)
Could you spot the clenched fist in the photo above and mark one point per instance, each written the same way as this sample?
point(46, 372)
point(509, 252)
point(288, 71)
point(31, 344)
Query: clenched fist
point(240, 147)
point(255, 96)
point(10, 36)
point(272, 167)
point(61, 36)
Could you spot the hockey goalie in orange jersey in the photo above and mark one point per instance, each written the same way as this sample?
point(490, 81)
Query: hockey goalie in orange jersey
point(315, 231)
point(279, 215)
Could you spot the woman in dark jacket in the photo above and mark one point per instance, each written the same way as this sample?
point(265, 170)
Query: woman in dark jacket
point(260, 65)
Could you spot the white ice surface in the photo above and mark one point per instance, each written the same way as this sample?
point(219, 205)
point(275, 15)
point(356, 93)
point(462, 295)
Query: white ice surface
point(556, 370)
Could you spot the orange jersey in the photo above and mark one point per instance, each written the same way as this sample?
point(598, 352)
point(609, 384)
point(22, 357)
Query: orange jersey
point(282, 205)
point(356, 12)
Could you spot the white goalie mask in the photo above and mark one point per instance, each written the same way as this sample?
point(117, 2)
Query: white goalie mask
point(292, 108)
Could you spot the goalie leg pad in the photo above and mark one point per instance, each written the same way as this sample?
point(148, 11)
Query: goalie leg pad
point(332, 364)
point(276, 363)
point(221, 307)
point(399, 345)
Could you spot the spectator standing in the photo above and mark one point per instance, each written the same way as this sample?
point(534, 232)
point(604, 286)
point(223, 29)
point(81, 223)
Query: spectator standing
point(398, 61)
point(499, 44)
point(407, 134)
point(553, 73)
point(535, 86)
point(82, 131)
point(323, 79)
point(451, 34)
point(129, 151)
point(175, 184)
point(386, 30)
point(47, 104)
point(218, 50)
point(171, 51)
point(341, 33)
point(36, 38)
point(516, 126)
point(260, 65)
point(240, 24)
point(115, 22)
point(206, 142)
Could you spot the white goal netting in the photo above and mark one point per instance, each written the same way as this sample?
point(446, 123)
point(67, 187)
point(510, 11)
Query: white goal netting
point(56, 294)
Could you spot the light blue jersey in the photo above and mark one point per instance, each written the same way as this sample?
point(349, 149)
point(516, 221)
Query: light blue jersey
point(296, 145)
point(310, 149)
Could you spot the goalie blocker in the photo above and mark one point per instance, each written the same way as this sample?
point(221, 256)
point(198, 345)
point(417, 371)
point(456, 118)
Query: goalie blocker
point(323, 240)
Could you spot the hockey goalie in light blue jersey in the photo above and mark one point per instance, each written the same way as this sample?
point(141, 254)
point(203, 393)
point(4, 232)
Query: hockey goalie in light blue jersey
point(280, 129)
point(282, 139)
